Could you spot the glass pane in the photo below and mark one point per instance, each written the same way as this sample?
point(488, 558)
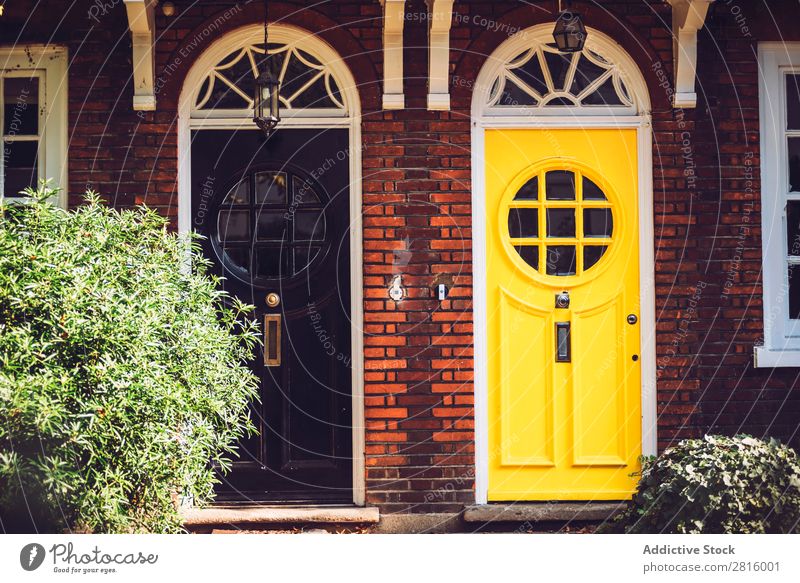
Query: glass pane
point(561, 260)
point(560, 222)
point(309, 225)
point(271, 261)
point(271, 226)
point(239, 256)
point(240, 75)
point(315, 95)
point(560, 185)
point(523, 223)
point(233, 226)
point(592, 254)
point(597, 223)
point(239, 194)
point(793, 102)
point(271, 188)
point(794, 164)
point(793, 227)
point(558, 63)
point(303, 256)
point(21, 104)
point(591, 191)
point(530, 191)
point(529, 253)
point(531, 73)
point(303, 192)
point(21, 168)
point(794, 292)
point(513, 96)
point(585, 74)
point(606, 94)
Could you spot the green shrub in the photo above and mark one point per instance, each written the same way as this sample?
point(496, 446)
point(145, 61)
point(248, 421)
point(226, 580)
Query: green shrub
point(716, 485)
point(123, 377)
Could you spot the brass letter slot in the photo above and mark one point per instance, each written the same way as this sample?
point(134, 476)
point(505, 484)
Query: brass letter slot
point(563, 349)
point(272, 339)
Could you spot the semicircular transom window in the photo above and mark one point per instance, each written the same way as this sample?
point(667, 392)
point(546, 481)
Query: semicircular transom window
point(543, 77)
point(560, 223)
point(271, 225)
point(306, 82)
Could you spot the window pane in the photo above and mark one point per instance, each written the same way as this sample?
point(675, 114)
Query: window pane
point(21, 105)
point(271, 226)
point(560, 185)
point(303, 192)
point(794, 164)
point(597, 223)
point(592, 254)
point(558, 63)
point(271, 188)
point(794, 292)
point(531, 73)
point(303, 256)
point(793, 227)
point(530, 191)
point(233, 226)
point(271, 261)
point(793, 102)
point(530, 254)
point(591, 191)
point(523, 223)
point(21, 168)
point(561, 260)
point(560, 222)
point(606, 94)
point(239, 256)
point(309, 225)
point(239, 194)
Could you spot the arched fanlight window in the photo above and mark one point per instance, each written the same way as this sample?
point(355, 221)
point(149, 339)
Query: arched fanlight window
point(547, 79)
point(307, 86)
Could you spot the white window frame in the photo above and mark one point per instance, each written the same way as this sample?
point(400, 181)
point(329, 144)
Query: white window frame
point(781, 334)
point(49, 63)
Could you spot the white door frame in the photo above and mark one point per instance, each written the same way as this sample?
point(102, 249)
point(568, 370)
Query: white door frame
point(576, 118)
point(311, 43)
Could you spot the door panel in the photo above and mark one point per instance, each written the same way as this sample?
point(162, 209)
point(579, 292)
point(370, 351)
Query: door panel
point(564, 376)
point(275, 216)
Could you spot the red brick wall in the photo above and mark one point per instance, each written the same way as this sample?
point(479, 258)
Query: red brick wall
point(416, 183)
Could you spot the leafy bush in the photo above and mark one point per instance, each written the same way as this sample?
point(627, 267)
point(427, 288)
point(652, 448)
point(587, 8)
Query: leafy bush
point(122, 369)
point(716, 485)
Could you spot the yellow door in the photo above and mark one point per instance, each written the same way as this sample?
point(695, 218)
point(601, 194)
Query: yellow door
point(563, 308)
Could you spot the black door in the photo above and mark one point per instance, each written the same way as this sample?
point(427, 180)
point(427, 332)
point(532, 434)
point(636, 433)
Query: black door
point(275, 214)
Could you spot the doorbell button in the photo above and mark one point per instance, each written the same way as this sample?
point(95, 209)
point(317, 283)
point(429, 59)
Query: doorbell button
point(441, 292)
point(632, 319)
point(273, 300)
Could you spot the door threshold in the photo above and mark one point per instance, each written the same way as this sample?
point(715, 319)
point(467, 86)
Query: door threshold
point(263, 514)
point(542, 511)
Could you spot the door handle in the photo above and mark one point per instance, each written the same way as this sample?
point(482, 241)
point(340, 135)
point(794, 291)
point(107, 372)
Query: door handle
point(563, 348)
point(272, 339)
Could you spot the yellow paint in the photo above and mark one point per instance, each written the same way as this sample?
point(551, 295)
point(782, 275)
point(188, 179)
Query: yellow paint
point(563, 430)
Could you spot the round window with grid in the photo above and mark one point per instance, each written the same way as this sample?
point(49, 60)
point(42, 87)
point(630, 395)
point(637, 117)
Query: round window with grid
point(561, 223)
point(271, 225)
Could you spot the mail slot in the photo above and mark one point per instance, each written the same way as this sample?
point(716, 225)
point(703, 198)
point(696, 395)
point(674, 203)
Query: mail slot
point(272, 339)
point(563, 349)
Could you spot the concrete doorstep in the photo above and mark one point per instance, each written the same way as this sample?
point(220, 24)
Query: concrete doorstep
point(270, 515)
point(542, 512)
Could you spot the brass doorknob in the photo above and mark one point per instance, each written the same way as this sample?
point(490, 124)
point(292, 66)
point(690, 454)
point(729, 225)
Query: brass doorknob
point(273, 299)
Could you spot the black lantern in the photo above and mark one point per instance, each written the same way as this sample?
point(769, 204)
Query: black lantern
point(569, 33)
point(266, 96)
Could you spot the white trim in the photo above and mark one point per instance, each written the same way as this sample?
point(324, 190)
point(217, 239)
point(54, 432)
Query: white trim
point(53, 146)
point(326, 54)
point(688, 17)
point(394, 16)
point(141, 22)
point(439, 22)
point(781, 335)
point(606, 47)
